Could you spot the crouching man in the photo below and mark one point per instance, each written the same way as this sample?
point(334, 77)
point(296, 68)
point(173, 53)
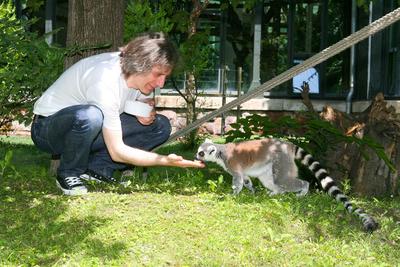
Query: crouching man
point(99, 118)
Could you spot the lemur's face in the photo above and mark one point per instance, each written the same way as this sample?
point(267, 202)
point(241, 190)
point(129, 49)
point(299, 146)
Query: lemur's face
point(206, 151)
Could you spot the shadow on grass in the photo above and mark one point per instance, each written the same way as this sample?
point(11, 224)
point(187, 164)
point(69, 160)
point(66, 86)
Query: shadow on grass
point(318, 213)
point(35, 221)
point(34, 214)
point(326, 218)
point(37, 229)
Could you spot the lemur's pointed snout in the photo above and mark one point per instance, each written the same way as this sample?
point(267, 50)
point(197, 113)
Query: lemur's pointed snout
point(196, 157)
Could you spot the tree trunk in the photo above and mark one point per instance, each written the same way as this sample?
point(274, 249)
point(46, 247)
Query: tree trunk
point(372, 176)
point(191, 90)
point(95, 23)
point(368, 176)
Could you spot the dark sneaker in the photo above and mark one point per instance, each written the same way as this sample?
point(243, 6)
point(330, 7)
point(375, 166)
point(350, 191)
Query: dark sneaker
point(71, 186)
point(91, 175)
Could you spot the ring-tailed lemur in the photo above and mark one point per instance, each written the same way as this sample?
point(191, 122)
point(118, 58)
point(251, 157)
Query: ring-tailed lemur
point(272, 161)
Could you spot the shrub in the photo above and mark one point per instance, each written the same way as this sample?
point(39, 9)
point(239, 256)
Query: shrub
point(28, 66)
point(310, 132)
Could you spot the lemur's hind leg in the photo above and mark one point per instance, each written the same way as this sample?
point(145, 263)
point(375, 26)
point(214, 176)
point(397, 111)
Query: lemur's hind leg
point(268, 183)
point(267, 180)
point(285, 174)
point(248, 184)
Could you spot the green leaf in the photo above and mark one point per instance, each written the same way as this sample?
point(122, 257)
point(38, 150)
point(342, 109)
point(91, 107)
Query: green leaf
point(8, 157)
point(220, 179)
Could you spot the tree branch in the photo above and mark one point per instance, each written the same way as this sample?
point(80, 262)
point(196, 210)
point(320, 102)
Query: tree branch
point(177, 89)
point(305, 94)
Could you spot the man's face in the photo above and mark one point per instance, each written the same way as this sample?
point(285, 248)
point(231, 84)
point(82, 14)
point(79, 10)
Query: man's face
point(148, 81)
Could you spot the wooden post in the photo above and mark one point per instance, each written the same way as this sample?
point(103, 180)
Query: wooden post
point(224, 85)
point(54, 164)
point(239, 89)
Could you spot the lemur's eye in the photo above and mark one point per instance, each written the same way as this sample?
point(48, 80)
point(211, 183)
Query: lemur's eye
point(212, 151)
point(201, 153)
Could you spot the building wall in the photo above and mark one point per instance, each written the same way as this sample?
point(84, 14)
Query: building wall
point(263, 104)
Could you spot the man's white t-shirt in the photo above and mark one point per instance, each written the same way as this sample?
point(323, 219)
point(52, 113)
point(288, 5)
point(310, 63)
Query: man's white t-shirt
point(95, 80)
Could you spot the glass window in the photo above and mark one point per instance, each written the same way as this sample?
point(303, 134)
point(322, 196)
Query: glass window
point(274, 44)
point(394, 56)
point(292, 31)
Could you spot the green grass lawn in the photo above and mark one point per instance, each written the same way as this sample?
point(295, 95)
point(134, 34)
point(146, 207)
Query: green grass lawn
point(179, 217)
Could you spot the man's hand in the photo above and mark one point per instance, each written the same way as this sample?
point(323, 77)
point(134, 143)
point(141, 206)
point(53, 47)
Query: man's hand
point(148, 120)
point(179, 161)
point(122, 153)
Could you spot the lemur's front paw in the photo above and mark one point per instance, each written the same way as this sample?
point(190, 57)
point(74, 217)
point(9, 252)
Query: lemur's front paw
point(273, 193)
point(236, 190)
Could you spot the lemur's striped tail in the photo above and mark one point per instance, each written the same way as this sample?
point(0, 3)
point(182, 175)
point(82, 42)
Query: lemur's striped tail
point(329, 186)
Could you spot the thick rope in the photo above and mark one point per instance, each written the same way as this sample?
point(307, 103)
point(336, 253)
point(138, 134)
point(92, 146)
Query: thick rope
point(325, 54)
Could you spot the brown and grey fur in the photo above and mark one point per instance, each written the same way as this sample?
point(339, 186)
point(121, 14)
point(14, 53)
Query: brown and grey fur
point(272, 161)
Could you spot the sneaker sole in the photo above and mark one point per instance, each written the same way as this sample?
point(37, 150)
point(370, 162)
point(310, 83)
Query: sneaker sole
point(74, 192)
point(90, 178)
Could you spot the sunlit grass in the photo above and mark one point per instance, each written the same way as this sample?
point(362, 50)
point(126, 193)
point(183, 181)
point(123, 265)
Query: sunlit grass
point(178, 218)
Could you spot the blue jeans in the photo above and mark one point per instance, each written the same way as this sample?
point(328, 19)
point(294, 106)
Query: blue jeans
point(75, 134)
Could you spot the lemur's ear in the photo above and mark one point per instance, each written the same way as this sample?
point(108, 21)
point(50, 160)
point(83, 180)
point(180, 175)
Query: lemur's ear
point(208, 141)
